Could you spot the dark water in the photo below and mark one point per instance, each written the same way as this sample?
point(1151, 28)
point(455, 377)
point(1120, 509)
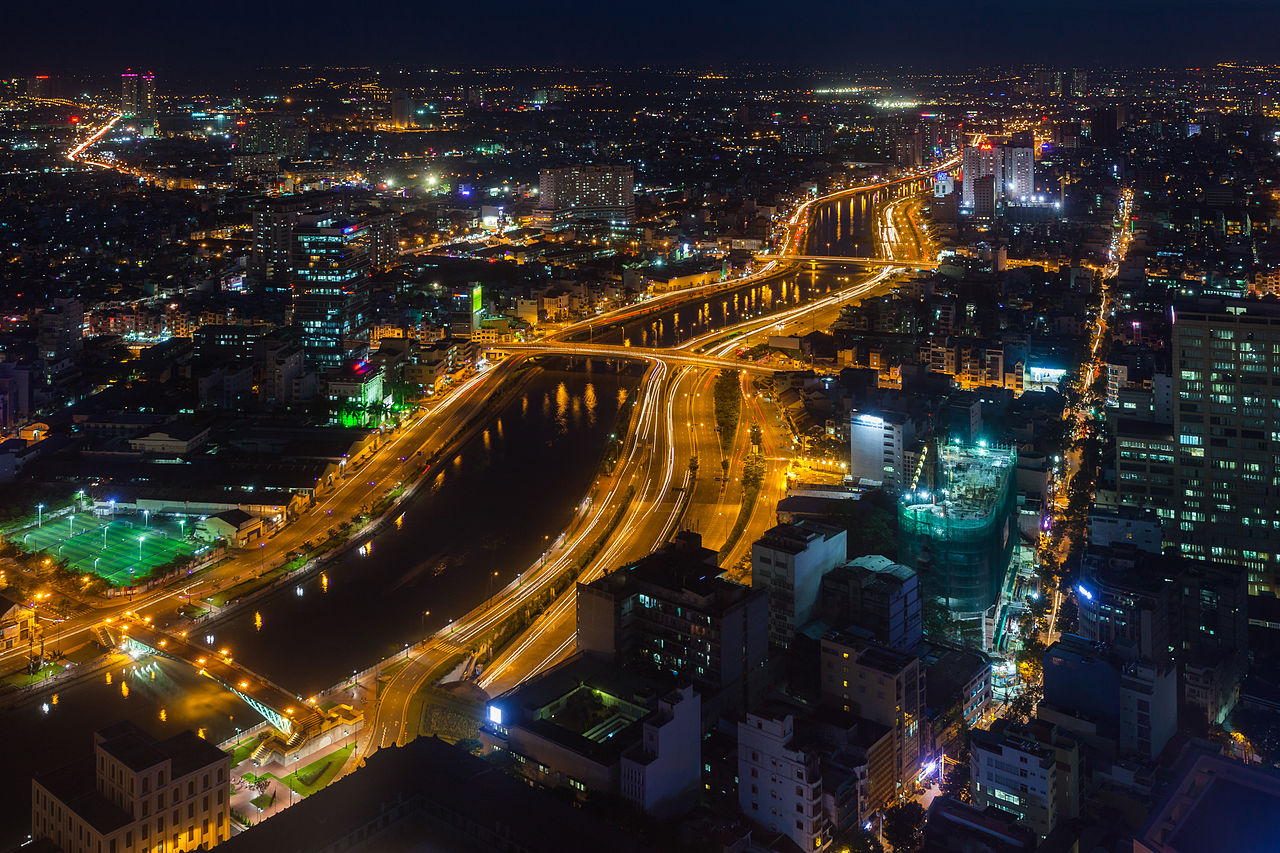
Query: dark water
point(843, 228)
point(489, 510)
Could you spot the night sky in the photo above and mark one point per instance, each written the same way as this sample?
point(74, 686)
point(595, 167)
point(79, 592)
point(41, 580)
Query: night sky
point(193, 37)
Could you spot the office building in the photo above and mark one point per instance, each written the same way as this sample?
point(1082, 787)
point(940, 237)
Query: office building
point(1124, 605)
point(959, 535)
point(1226, 424)
point(1145, 473)
point(1127, 703)
point(787, 564)
point(780, 778)
point(1032, 772)
point(671, 615)
point(879, 443)
point(136, 793)
point(603, 194)
point(228, 342)
point(466, 310)
point(877, 596)
point(138, 100)
point(590, 728)
point(329, 277)
point(882, 685)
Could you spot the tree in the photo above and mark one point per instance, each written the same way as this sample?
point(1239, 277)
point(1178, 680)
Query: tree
point(757, 435)
point(902, 825)
point(693, 465)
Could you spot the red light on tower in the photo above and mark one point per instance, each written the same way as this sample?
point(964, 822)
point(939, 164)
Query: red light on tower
point(75, 119)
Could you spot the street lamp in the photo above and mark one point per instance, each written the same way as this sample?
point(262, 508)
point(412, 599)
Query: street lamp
point(39, 515)
point(140, 538)
point(146, 518)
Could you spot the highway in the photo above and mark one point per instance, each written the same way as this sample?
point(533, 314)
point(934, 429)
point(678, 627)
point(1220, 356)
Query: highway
point(708, 503)
point(647, 496)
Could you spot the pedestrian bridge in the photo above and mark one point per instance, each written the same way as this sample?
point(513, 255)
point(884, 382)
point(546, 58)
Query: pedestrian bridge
point(292, 716)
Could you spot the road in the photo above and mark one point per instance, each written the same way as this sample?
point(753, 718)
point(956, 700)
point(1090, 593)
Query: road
point(709, 503)
point(1081, 413)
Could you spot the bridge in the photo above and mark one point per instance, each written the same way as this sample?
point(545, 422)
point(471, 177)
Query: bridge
point(288, 713)
point(877, 262)
point(669, 356)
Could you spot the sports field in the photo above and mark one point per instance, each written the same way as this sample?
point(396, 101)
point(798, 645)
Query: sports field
point(111, 546)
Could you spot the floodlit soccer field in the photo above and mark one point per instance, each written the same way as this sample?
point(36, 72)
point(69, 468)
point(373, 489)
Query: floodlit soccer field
point(111, 547)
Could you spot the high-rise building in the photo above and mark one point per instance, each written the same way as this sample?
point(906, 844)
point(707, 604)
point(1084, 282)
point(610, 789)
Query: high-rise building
point(466, 309)
point(671, 614)
point(1031, 771)
point(329, 278)
point(880, 684)
point(280, 135)
point(1017, 172)
point(957, 528)
point(879, 443)
point(60, 330)
point(401, 110)
point(978, 161)
point(1011, 168)
point(138, 99)
point(780, 778)
point(1227, 427)
point(136, 793)
point(788, 563)
point(603, 194)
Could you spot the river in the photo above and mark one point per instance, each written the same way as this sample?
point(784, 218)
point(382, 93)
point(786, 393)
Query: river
point(494, 508)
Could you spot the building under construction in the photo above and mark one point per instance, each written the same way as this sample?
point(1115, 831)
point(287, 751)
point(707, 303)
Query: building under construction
point(956, 525)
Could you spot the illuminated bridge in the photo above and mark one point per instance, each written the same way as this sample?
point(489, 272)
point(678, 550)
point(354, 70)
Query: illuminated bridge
point(879, 262)
point(288, 713)
point(670, 356)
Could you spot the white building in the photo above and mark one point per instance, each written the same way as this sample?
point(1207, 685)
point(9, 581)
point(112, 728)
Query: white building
point(1031, 772)
point(656, 772)
point(1013, 169)
point(788, 562)
point(1127, 525)
point(878, 443)
point(978, 161)
point(780, 780)
point(1018, 173)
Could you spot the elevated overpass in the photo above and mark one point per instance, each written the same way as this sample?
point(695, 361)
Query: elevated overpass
point(682, 358)
point(290, 715)
point(863, 262)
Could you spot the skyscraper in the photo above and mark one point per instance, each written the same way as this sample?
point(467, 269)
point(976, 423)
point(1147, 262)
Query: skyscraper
point(138, 98)
point(1227, 428)
point(1012, 168)
point(330, 280)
